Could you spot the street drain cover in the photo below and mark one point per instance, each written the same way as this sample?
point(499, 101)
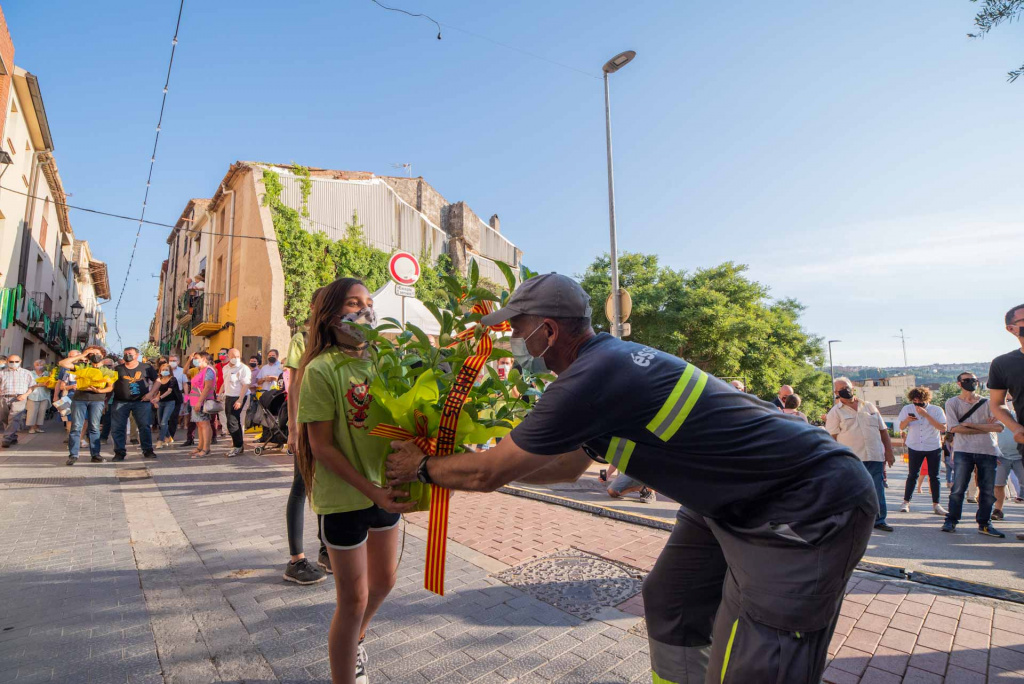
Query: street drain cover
point(132, 473)
point(41, 481)
point(577, 582)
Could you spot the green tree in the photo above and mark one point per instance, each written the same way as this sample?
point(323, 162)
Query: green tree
point(946, 391)
point(149, 350)
point(721, 321)
point(992, 14)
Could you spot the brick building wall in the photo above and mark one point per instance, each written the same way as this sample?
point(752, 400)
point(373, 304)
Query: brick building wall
point(7, 53)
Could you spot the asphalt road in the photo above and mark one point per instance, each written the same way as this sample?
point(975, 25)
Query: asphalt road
point(916, 544)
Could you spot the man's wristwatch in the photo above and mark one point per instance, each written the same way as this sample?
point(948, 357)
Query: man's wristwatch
point(421, 472)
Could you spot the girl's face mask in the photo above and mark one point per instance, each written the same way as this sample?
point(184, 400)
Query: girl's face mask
point(352, 336)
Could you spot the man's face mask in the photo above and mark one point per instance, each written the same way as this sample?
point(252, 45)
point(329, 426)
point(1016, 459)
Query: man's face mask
point(94, 358)
point(526, 360)
point(969, 384)
point(845, 393)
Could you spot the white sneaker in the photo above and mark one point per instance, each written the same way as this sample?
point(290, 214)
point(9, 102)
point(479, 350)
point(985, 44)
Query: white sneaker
point(939, 510)
point(235, 451)
point(905, 508)
point(361, 677)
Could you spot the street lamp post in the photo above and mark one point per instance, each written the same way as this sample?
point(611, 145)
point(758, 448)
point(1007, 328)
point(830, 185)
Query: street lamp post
point(831, 365)
point(611, 66)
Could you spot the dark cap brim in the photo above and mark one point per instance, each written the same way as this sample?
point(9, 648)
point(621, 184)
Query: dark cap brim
point(499, 316)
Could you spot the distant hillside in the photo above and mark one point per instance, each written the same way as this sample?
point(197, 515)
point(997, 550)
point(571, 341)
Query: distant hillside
point(937, 372)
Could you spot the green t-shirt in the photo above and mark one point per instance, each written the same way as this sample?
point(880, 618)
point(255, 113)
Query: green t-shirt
point(342, 394)
point(296, 348)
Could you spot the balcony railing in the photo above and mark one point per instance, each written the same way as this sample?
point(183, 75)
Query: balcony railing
point(206, 314)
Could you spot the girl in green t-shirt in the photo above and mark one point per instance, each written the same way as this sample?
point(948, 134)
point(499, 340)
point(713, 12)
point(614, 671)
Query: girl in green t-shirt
point(343, 468)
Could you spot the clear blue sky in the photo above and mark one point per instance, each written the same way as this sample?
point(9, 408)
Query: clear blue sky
point(862, 157)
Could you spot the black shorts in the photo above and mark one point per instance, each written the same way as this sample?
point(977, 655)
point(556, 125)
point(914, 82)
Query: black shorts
point(345, 531)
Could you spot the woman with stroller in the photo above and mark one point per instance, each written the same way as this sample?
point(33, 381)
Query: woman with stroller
point(342, 466)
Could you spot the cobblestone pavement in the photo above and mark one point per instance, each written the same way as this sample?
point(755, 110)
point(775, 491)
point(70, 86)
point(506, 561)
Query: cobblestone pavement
point(118, 573)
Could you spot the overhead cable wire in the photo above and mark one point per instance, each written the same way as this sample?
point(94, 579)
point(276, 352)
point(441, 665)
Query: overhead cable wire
point(534, 55)
point(149, 178)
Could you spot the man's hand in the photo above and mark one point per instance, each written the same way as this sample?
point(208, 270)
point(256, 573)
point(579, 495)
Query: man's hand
point(22, 397)
point(1018, 437)
point(403, 462)
point(238, 404)
point(387, 499)
point(921, 411)
point(890, 458)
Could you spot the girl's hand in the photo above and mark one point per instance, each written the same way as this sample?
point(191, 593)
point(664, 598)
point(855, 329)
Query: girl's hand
point(386, 499)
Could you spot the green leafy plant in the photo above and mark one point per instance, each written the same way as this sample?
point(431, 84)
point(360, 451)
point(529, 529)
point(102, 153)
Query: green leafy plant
point(414, 374)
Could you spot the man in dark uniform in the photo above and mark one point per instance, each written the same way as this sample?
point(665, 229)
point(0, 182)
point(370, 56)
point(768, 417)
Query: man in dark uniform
point(775, 514)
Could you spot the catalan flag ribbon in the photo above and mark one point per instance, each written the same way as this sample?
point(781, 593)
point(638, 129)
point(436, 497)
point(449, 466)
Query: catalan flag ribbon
point(444, 444)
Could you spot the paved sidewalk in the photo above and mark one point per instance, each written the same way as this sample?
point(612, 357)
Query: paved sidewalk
point(107, 575)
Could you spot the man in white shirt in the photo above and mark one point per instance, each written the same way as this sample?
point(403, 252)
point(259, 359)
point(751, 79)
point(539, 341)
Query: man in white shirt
point(975, 445)
point(858, 426)
point(924, 423)
point(237, 378)
point(271, 371)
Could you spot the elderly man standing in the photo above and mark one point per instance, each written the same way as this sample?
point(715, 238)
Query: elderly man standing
point(858, 426)
point(774, 518)
point(237, 378)
point(780, 400)
point(15, 385)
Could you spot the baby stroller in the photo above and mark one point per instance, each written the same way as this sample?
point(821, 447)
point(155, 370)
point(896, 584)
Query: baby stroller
point(270, 413)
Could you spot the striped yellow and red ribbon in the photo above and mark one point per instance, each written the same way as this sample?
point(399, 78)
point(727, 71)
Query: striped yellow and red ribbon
point(444, 444)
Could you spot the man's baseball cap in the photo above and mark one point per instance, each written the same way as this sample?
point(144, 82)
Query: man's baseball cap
point(550, 295)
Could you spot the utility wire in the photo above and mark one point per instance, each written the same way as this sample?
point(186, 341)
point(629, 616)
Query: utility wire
point(149, 178)
point(489, 40)
point(411, 14)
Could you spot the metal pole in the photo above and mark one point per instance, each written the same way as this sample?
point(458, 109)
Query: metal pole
point(831, 365)
point(616, 302)
point(904, 340)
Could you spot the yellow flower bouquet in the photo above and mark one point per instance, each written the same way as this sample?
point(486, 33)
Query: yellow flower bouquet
point(88, 377)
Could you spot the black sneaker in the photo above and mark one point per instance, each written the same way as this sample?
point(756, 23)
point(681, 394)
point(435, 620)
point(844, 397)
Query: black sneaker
point(149, 454)
point(997, 514)
point(949, 527)
point(990, 531)
point(96, 459)
point(324, 561)
point(133, 440)
point(304, 572)
point(646, 496)
point(118, 458)
point(883, 527)
point(71, 461)
point(188, 442)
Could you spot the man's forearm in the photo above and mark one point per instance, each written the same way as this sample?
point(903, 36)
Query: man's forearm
point(1005, 417)
point(966, 430)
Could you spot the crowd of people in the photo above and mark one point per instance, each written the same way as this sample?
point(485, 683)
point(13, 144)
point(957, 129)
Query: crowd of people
point(775, 512)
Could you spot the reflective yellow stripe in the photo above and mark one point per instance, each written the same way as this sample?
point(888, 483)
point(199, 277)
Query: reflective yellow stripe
point(626, 453)
point(680, 402)
point(728, 649)
point(619, 451)
point(659, 680)
point(677, 391)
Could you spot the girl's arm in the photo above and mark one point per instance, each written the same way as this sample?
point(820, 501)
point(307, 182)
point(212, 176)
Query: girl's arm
point(321, 443)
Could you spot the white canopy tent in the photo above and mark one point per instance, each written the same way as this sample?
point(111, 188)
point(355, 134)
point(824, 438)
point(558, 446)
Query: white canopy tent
point(387, 304)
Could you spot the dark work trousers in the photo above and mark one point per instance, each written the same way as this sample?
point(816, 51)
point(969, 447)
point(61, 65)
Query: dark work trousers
point(294, 515)
point(964, 463)
point(731, 604)
point(916, 459)
point(234, 425)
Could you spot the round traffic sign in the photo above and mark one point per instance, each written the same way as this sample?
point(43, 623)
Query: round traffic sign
point(625, 305)
point(404, 268)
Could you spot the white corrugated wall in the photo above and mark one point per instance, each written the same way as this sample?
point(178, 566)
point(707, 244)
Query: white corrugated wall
point(389, 224)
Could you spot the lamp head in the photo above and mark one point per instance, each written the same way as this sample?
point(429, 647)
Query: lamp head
point(618, 61)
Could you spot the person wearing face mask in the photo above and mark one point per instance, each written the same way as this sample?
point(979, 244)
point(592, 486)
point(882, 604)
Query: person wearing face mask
point(134, 381)
point(270, 374)
point(15, 385)
point(205, 380)
point(971, 419)
point(87, 405)
point(775, 514)
point(38, 398)
point(343, 467)
point(1006, 377)
point(165, 395)
point(859, 426)
point(179, 377)
point(924, 423)
point(237, 378)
